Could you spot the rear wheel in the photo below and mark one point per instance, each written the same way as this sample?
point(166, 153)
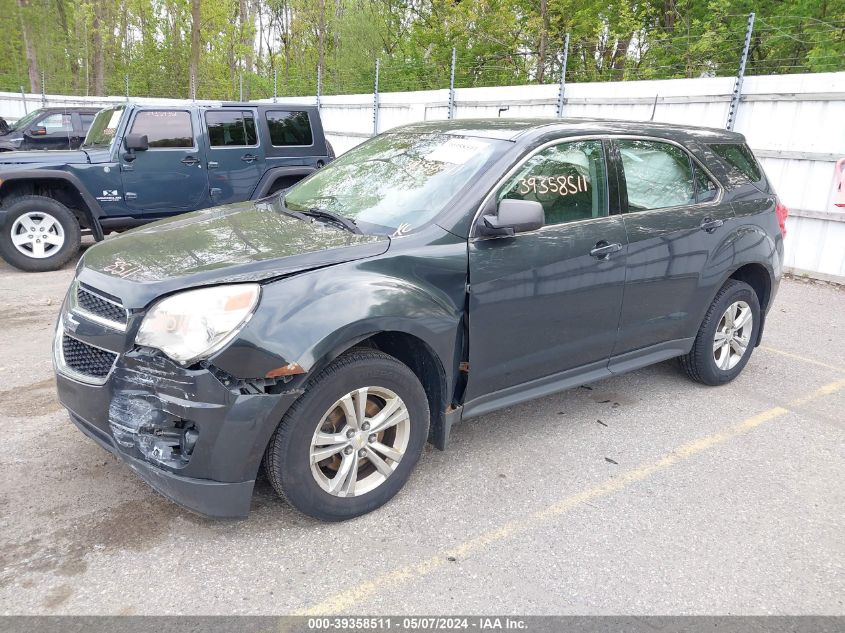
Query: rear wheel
point(349, 444)
point(726, 337)
point(40, 234)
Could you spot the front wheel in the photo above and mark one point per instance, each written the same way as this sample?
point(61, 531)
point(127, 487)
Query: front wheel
point(349, 444)
point(40, 234)
point(726, 337)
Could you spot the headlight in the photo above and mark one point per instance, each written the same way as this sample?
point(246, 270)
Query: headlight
point(196, 323)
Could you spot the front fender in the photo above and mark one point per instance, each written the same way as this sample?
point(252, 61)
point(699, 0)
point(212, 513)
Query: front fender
point(311, 318)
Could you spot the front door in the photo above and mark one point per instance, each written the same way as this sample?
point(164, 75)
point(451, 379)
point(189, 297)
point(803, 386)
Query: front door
point(170, 176)
point(50, 132)
point(235, 159)
point(675, 222)
point(546, 302)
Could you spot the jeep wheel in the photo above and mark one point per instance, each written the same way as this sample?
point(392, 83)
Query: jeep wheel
point(349, 444)
point(726, 337)
point(40, 234)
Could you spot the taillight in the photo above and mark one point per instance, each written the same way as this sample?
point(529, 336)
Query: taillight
point(782, 213)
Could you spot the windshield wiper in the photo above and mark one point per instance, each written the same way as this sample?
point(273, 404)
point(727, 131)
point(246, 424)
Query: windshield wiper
point(346, 223)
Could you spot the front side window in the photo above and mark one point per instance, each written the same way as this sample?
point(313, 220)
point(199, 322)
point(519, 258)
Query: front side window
point(658, 175)
point(289, 128)
point(396, 182)
point(86, 119)
point(57, 123)
point(569, 180)
point(165, 128)
point(705, 189)
point(231, 128)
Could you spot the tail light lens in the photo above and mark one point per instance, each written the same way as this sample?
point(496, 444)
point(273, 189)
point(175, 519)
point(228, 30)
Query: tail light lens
point(782, 213)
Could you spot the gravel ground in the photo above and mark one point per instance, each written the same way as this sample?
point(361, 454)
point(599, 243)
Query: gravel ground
point(643, 494)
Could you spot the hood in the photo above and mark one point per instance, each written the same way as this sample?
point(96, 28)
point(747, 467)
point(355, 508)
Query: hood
point(248, 241)
point(42, 156)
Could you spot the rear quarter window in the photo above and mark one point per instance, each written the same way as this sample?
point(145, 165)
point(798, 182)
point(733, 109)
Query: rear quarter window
point(289, 128)
point(740, 160)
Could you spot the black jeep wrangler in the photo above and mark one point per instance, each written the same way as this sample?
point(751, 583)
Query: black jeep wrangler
point(143, 163)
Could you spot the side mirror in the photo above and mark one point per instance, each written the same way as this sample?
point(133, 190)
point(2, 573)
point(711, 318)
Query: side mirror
point(37, 131)
point(136, 142)
point(514, 216)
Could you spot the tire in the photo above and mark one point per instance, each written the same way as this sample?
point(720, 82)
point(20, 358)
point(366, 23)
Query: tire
point(704, 363)
point(28, 212)
point(288, 460)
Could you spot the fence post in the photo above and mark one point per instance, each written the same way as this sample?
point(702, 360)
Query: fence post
point(193, 87)
point(319, 84)
point(43, 91)
point(23, 96)
point(275, 85)
point(375, 101)
point(240, 87)
point(562, 88)
point(452, 87)
point(126, 83)
point(737, 94)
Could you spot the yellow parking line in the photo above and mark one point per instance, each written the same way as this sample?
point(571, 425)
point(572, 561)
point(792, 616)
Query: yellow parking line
point(802, 358)
point(358, 593)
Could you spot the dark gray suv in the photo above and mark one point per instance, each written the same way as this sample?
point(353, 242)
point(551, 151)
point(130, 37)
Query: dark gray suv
point(433, 274)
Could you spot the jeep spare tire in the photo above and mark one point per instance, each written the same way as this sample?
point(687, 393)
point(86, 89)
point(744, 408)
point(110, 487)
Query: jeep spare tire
point(39, 234)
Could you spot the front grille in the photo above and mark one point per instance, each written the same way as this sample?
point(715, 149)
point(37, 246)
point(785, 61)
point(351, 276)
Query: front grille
point(86, 359)
point(99, 306)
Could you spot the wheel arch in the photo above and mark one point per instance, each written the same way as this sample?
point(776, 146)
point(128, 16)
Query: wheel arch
point(60, 186)
point(284, 175)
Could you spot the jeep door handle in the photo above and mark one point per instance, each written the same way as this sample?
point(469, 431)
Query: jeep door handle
point(249, 158)
point(709, 224)
point(190, 161)
point(603, 250)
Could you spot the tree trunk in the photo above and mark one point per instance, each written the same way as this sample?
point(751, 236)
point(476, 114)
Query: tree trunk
point(196, 15)
point(69, 47)
point(544, 38)
point(98, 63)
point(29, 47)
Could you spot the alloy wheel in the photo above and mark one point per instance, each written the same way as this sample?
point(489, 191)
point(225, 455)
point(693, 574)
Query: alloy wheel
point(733, 335)
point(360, 441)
point(37, 235)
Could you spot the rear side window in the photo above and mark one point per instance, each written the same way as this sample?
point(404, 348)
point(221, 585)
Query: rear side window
point(740, 159)
point(165, 128)
point(567, 179)
point(231, 128)
point(87, 120)
point(289, 128)
point(658, 175)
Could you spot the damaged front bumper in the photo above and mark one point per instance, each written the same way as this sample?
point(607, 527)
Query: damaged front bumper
point(193, 434)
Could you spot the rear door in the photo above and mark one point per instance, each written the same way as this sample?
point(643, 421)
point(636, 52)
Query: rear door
point(546, 302)
point(235, 157)
point(676, 222)
point(170, 176)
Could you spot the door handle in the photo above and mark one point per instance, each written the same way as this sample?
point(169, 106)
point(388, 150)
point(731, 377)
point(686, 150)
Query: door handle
point(710, 225)
point(603, 250)
point(213, 164)
point(190, 161)
point(249, 158)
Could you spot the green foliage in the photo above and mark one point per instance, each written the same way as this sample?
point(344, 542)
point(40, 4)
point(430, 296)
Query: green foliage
point(92, 46)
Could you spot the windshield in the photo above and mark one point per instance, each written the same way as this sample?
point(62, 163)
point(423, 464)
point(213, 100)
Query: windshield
point(394, 183)
point(104, 127)
point(25, 120)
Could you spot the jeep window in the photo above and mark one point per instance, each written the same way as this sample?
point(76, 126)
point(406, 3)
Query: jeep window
point(25, 120)
point(658, 175)
point(103, 128)
point(396, 182)
point(231, 128)
point(569, 180)
point(165, 129)
point(57, 123)
point(740, 159)
point(289, 128)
